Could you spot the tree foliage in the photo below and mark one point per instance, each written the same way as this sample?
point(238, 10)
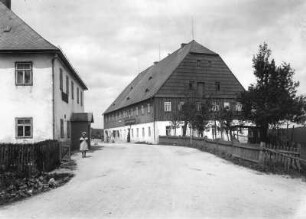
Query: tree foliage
point(273, 98)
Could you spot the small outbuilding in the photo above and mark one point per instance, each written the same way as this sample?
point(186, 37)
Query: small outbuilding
point(80, 122)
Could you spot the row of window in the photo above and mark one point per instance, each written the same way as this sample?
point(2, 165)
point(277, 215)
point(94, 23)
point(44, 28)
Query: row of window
point(215, 106)
point(24, 128)
point(124, 133)
point(24, 77)
point(200, 87)
point(79, 93)
point(129, 113)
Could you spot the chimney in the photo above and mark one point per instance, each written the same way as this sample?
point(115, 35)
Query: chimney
point(7, 3)
point(183, 44)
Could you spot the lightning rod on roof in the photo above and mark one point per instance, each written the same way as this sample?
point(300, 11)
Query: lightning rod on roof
point(192, 29)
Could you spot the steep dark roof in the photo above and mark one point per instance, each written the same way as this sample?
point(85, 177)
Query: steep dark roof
point(17, 36)
point(148, 82)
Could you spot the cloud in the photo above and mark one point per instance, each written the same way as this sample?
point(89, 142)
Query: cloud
point(110, 42)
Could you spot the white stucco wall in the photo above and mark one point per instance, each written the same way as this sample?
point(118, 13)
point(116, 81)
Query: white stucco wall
point(160, 130)
point(64, 110)
point(26, 101)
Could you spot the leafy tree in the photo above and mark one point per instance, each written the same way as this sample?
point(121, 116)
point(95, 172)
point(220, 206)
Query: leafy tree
point(273, 98)
point(226, 117)
point(202, 117)
point(188, 114)
point(175, 120)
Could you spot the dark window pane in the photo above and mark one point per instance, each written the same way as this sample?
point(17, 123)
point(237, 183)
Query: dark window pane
point(24, 66)
point(27, 131)
point(19, 77)
point(27, 121)
point(20, 121)
point(20, 131)
point(27, 77)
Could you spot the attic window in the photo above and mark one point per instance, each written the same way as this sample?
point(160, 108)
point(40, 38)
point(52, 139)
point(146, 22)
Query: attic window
point(131, 88)
point(128, 98)
point(198, 63)
point(150, 77)
point(113, 104)
point(147, 90)
point(209, 63)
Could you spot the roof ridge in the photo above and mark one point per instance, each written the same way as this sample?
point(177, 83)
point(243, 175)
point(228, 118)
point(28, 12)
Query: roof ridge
point(186, 49)
point(22, 23)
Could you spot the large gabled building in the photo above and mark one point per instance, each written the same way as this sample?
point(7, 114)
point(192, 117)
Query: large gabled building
point(145, 107)
point(41, 93)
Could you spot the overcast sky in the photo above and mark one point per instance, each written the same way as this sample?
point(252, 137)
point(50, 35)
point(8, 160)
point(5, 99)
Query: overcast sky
point(110, 41)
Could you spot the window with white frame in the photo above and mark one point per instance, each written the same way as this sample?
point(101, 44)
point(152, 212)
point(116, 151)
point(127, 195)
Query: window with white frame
point(136, 110)
point(215, 106)
point(24, 73)
point(24, 127)
point(238, 107)
point(137, 132)
point(167, 106)
point(142, 109)
point(149, 108)
point(226, 105)
point(143, 132)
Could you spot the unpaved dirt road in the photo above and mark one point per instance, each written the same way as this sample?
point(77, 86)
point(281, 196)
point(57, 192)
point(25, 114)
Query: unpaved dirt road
point(151, 181)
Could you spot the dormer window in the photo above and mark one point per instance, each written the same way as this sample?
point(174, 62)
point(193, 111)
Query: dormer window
point(150, 78)
point(147, 90)
point(24, 73)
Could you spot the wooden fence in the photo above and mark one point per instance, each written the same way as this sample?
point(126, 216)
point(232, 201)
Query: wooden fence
point(29, 158)
point(286, 156)
point(273, 155)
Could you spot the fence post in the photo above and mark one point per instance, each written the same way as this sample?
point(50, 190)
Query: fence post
point(261, 153)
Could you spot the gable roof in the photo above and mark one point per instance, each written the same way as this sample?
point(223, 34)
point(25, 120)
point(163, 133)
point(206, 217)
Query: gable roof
point(148, 82)
point(17, 36)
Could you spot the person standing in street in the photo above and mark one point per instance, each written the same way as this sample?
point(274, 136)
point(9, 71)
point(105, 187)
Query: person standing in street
point(83, 144)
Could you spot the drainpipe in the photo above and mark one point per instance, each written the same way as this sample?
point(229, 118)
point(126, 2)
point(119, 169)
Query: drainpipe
point(53, 94)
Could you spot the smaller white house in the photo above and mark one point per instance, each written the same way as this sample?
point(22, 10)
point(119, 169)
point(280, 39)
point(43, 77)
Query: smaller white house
point(40, 90)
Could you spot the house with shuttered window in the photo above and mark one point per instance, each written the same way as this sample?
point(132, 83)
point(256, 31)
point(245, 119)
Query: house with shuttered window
point(40, 90)
point(145, 108)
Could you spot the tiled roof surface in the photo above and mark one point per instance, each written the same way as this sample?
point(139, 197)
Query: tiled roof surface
point(148, 82)
point(15, 34)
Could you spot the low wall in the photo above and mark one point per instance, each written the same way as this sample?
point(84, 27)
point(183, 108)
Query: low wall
point(243, 151)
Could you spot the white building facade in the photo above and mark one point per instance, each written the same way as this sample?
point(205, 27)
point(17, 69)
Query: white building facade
point(39, 88)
